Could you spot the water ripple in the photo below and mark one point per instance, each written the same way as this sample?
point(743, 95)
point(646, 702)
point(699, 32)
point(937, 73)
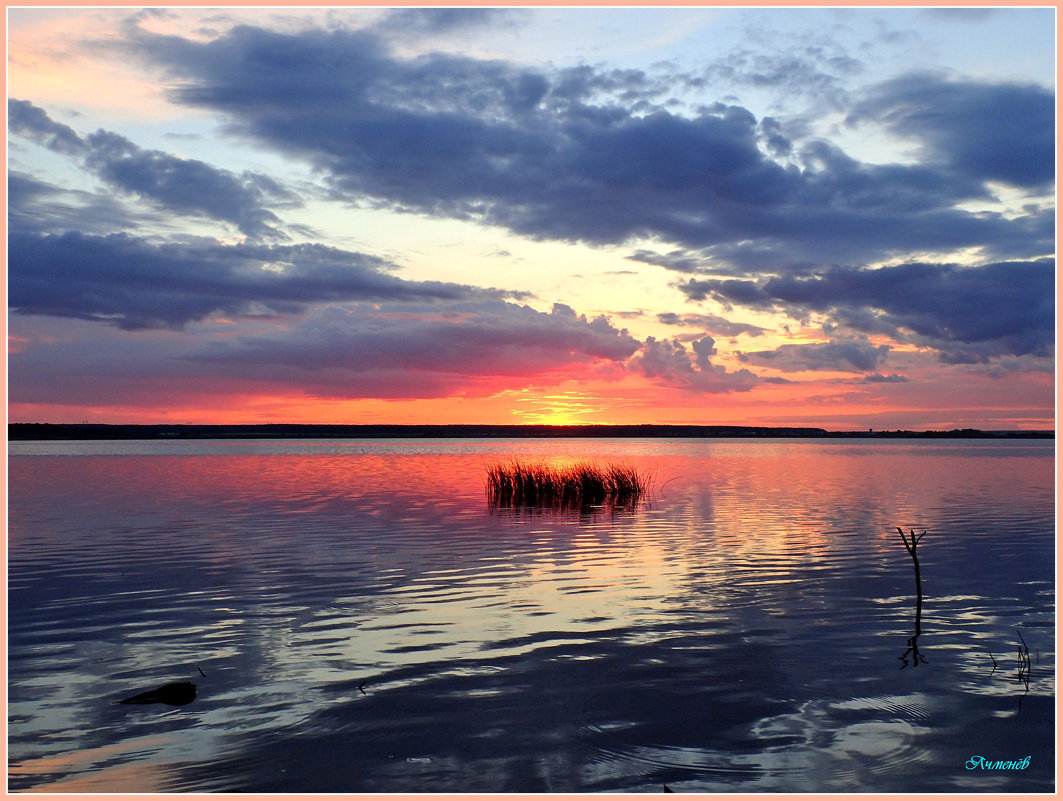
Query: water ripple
point(741, 631)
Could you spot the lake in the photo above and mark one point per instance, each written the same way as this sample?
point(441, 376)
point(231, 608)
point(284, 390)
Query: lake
point(357, 617)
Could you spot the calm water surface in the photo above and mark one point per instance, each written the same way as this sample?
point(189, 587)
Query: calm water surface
point(366, 622)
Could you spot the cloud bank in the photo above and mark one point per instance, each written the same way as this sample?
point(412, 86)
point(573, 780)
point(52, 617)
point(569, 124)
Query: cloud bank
point(596, 156)
point(731, 212)
point(133, 283)
point(967, 313)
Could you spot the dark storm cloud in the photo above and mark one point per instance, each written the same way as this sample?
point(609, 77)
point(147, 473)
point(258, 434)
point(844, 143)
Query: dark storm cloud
point(387, 351)
point(636, 89)
point(421, 21)
point(597, 156)
point(679, 260)
point(807, 70)
point(981, 131)
point(892, 378)
point(185, 186)
point(847, 356)
point(712, 323)
point(668, 362)
point(774, 139)
point(36, 206)
point(24, 190)
point(28, 120)
point(969, 313)
point(408, 351)
point(135, 284)
point(473, 347)
point(959, 14)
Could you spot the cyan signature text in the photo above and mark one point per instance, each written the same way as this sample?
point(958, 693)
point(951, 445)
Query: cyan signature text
point(981, 763)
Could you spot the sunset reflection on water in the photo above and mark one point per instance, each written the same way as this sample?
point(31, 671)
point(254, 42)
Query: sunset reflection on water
point(739, 629)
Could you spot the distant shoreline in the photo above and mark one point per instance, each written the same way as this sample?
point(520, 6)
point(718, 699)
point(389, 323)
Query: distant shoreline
point(100, 431)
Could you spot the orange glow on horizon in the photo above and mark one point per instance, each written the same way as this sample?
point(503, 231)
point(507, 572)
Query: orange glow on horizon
point(845, 405)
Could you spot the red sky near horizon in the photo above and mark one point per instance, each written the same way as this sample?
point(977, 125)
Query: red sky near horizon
point(828, 217)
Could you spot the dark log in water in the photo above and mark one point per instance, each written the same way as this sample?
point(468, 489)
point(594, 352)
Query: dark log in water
point(176, 694)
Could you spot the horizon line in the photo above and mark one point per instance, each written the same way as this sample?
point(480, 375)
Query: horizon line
point(37, 430)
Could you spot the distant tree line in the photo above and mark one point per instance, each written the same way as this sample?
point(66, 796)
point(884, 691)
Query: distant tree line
point(100, 431)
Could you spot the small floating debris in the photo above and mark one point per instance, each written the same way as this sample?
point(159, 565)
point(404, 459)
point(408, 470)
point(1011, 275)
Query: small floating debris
point(178, 693)
point(581, 485)
point(420, 760)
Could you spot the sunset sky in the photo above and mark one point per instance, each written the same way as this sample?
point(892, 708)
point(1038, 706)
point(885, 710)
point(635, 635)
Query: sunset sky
point(829, 217)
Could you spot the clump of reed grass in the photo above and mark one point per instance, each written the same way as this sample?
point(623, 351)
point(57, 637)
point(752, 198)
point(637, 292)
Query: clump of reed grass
point(521, 483)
